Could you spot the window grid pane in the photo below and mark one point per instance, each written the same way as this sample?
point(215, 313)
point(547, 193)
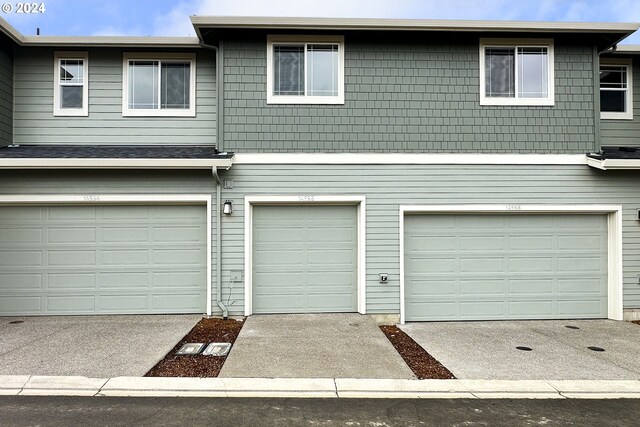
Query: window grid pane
point(532, 72)
point(499, 73)
point(288, 70)
point(72, 71)
point(143, 84)
point(613, 89)
point(613, 77)
point(322, 70)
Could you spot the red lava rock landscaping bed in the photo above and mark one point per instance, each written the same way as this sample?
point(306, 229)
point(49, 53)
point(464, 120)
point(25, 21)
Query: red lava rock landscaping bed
point(206, 331)
point(423, 365)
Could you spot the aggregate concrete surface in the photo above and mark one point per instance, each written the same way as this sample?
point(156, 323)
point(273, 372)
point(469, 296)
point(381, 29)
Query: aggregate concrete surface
point(313, 346)
point(91, 346)
point(487, 350)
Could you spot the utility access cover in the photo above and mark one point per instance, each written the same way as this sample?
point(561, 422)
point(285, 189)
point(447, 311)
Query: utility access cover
point(217, 349)
point(190, 349)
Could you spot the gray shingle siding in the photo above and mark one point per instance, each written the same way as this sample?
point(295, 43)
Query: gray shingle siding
point(625, 132)
point(408, 96)
point(35, 123)
point(6, 97)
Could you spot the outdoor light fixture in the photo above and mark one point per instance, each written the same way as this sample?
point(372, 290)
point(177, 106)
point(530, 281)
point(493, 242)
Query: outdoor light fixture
point(228, 207)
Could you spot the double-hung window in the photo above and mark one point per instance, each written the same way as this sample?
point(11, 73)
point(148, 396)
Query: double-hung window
point(71, 87)
point(616, 97)
point(305, 70)
point(516, 72)
point(159, 85)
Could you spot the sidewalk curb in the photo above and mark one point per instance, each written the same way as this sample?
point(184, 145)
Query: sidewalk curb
point(14, 385)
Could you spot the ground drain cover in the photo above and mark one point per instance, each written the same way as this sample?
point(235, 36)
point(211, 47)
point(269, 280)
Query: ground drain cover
point(190, 349)
point(571, 327)
point(523, 348)
point(592, 348)
point(217, 349)
point(15, 322)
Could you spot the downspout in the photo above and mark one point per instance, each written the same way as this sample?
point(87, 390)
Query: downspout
point(214, 171)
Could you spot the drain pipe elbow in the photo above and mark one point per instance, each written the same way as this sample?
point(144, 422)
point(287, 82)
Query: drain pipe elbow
point(225, 312)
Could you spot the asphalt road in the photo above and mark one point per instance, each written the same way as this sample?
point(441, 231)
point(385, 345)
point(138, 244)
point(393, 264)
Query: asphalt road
point(106, 411)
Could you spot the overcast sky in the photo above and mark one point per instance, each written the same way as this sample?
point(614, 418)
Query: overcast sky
point(171, 17)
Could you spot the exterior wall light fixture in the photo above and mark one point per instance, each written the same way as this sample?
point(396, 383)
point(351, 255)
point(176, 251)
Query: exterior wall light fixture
point(227, 209)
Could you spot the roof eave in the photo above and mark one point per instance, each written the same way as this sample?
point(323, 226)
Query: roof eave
point(100, 163)
point(115, 41)
point(614, 164)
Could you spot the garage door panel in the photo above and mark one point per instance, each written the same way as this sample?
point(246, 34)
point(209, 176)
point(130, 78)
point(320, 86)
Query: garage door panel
point(304, 259)
point(518, 273)
point(78, 281)
point(27, 304)
point(115, 253)
point(27, 235)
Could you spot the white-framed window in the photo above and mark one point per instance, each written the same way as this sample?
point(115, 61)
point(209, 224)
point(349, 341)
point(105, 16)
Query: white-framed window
point(70, 84)
point(305, 70)
point(159, 84)
point(516, 72)
point(616, 89)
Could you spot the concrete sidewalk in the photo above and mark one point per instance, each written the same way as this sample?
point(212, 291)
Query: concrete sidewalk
point(315, 388)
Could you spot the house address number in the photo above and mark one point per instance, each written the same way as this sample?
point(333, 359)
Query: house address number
point(306, 198)
point(91, 198)
point(514, 207)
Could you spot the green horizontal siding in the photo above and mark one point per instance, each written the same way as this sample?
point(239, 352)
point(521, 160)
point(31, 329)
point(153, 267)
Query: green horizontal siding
point(625, 132)
point(6, 98)
point(35, 123)
point(387, 187)
point(411, 95)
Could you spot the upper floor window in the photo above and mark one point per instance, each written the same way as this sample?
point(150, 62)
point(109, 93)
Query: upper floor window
point(305, 70)
point(616, 98)
point(71, 88)
point(516, 72)
point(159, 85)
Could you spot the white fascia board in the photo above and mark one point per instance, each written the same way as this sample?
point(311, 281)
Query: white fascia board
point(614, 164)
point(408, 159)
point(84, 163)
point(111, 41)
point(407, 24)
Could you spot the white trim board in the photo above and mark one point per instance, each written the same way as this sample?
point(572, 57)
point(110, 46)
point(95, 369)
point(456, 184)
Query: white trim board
point(126, 199)
point(614, 236)
point(304, 199)
point(407, 159)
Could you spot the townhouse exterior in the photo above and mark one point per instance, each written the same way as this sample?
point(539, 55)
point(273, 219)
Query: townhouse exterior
point(426, 170)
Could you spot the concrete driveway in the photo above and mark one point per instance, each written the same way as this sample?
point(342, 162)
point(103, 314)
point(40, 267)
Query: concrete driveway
point(313, 346)
point(487, 350)
point(92, 346)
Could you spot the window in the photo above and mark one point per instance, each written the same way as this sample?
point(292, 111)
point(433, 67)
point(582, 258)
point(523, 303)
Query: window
point(516, 72)
point(308, 70)
point(616, 98)
point(159, 85)
point(71, 88)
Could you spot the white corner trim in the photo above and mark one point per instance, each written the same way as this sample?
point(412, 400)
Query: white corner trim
point(305, 99)
point(126, 199)
point(407, 159)
point(158, 112)
point(58, 111)
point(305, 199)
point(515, 43)
point(614, 224)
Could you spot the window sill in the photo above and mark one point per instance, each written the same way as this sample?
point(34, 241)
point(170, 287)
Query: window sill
point(80, 112)
point(159, 113)
point(319, 100)
point(529, 102)
point(616, 116)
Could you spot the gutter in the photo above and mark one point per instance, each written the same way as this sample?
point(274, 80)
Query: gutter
point(219, 133)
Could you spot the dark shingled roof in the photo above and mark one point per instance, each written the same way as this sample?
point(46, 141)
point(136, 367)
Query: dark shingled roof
point(112, 152)
point(607, 152)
